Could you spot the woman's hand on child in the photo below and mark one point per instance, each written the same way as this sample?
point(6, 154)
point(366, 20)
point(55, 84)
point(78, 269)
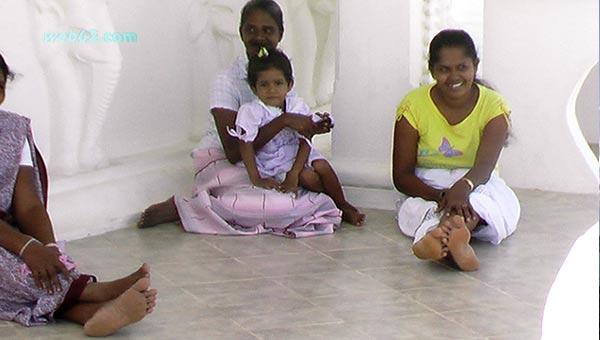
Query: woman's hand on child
point(266, 183)
point(45, 265)
point(305, 126)
point(290, 184)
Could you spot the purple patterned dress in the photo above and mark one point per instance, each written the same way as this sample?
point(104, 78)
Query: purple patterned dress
point(20, 300)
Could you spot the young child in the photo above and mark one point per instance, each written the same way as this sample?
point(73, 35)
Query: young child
point(288, 160)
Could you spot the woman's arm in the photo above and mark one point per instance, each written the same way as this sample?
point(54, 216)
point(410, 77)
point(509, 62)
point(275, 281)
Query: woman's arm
point(225, 118)
point(28, 208)
point(491, 144)
point(404, 160)
point(35, 232)
point(492, 140)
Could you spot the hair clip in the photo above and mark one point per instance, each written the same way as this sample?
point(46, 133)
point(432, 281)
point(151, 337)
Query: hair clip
point(263, 52)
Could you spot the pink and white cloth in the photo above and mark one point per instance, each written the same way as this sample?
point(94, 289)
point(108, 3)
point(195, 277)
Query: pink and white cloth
point(224, 202)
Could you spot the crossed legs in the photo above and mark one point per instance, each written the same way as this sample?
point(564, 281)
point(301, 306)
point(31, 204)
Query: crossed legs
point(450, 239)
point(105, 307)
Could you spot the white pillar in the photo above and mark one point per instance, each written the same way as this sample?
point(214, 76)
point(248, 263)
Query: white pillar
point(536, 52)
point(372, 78)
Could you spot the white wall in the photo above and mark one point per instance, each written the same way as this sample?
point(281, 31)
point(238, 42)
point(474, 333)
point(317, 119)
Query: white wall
point(536, 52)
point(373, 76)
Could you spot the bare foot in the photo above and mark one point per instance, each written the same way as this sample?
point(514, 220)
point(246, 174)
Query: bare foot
point(458, 244)
point(130, 307)
point(106, 291)
point(433, 245)
point(163, 212)
point(351, 215)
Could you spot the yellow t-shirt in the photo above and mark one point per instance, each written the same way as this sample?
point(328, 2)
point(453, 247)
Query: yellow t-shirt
point(440, 144)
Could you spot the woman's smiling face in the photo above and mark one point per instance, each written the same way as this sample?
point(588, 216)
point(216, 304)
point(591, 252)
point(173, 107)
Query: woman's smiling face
point(454, 72)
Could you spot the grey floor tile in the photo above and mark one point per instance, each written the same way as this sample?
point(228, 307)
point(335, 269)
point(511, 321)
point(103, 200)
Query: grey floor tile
point(472, 295)
point(417, 327)
point(421, 274)
point(331, 284)
point(210, 271)
point(292, 264)
point(360, 283)
point(250, 292)
point(351, 238)
point(361, 259)
point(276, 314)
point(314, 332)
point(259, 245)
point(360, 306)
point(500, 321)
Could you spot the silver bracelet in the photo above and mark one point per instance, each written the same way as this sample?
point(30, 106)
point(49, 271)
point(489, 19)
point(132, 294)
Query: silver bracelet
point(52, 244)
point(469, 183)
point(27, 245)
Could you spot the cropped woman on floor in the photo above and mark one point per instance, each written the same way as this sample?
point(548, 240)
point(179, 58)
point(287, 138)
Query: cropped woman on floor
point(38, 282)
point(447, 140)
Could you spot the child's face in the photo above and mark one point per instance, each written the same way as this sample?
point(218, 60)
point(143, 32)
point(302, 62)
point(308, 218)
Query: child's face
point(272, 87)
point(2, 87)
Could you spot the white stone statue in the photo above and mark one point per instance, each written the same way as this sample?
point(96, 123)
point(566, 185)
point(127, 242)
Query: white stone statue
point(310, 40)
point(324, 13)
point(213, 29)
point(300, 43)
point(81, 77)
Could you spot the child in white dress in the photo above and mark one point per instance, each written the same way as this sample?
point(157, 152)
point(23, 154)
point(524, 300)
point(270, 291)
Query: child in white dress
point(287, 161)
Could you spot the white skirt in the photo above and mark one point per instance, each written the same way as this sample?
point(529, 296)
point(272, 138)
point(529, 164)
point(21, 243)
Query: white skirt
point(494, 202)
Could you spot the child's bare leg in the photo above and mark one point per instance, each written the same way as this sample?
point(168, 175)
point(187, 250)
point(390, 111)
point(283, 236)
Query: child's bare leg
point(163, 212)
point(433, 246)
point(130, 307)
point(333, 188)
point(458, 244)
point(310, 180)
point(106, 291)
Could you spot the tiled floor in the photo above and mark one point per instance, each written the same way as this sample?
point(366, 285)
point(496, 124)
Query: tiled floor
point(361, 283)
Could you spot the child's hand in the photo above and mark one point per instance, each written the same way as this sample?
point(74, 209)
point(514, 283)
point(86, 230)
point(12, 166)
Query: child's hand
point(266, 183)
point(290, 184)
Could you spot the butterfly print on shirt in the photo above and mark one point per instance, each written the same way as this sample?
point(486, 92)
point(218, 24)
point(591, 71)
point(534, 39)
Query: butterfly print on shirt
point(447, 149)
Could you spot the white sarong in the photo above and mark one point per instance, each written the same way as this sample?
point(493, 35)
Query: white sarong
point(494, 202)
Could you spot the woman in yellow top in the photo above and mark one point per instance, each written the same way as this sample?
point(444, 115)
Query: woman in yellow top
point(447, 140)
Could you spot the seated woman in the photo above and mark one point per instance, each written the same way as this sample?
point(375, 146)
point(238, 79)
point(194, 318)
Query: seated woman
point(447, 140)
point(38, 282)
point(224, 201)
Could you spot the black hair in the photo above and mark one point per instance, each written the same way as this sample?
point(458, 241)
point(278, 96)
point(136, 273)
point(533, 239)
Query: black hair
point(8, 75)
point(269, 6)
point(454, 38)
point(274, 59)
point(451, 38)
